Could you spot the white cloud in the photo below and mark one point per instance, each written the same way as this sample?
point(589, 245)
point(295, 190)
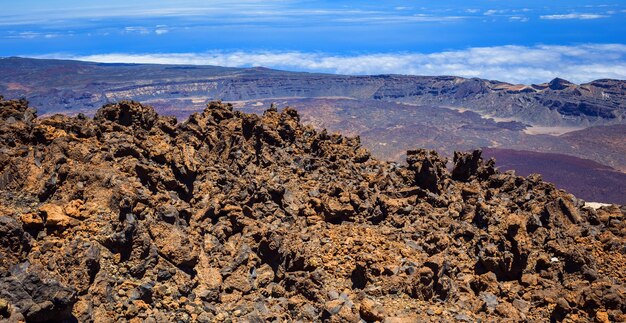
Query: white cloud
point(515, 64)
point(33, 35)
point(159, 30)
point(580, 16)
point(28, 35)
point(492, 12)
point(387, 19)
point(139, 30)
point(519, 18)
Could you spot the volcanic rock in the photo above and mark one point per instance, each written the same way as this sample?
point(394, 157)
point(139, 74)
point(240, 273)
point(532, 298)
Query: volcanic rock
point(240, 217)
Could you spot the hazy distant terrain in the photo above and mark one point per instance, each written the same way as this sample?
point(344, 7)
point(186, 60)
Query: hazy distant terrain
point(391, 113)
point(58, 85)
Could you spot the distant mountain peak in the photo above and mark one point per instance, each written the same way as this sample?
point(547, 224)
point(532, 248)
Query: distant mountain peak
point(559, 84)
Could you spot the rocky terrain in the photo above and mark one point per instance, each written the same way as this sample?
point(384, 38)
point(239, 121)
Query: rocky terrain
point(389, 129)
point(230, 216)
point(391, 113)
point(589, 163)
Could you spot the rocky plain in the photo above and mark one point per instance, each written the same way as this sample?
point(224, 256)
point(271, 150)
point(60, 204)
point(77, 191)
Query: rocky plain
point(236, 217)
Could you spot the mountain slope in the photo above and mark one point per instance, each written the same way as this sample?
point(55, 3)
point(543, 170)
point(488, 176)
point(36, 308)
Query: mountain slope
point(606, 140)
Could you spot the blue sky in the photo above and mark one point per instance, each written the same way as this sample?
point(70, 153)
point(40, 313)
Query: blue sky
point(516, 41)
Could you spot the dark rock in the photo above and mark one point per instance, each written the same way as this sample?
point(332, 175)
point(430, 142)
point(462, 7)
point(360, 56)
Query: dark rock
point(491, 301)
point(38, 300)
point(429, 168)
point(14, 243)
point(129, 114)
point(4, 308)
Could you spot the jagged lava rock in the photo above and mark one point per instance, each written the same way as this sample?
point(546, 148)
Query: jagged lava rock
point(234, 216)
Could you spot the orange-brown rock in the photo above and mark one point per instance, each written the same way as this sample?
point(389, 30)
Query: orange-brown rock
point(54, 216)
point(239, 217)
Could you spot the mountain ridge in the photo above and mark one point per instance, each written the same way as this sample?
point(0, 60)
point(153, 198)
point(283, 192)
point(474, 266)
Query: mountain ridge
point(588, 103)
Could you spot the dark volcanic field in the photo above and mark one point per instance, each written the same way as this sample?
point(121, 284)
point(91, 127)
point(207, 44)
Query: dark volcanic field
point(581, 177)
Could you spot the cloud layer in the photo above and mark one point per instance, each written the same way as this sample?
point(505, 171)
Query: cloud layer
point(515, 64)
point(581, 16)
